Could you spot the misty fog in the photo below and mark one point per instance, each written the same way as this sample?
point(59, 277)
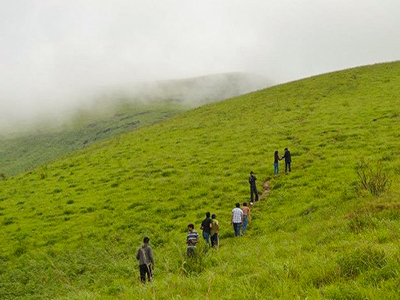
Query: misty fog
point(58, 55)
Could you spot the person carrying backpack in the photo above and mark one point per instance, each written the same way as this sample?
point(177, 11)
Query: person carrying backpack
point(146, 261)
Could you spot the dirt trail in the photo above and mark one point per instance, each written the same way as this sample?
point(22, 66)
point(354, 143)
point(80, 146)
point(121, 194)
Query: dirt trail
point(266, 189)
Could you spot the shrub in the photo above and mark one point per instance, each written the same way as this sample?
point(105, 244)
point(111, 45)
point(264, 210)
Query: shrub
point(3, 176)
point(372, 179)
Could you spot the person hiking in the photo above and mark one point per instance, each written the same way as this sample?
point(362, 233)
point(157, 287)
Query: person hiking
point(206, 227)
point(276, 162)
point(246, 216)
point(237, 219)
point(288, 160)
point(191, 240)
point(214, 231)
point(146, 261)
point(253, 187)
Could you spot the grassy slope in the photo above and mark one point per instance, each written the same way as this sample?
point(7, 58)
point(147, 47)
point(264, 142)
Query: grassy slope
point(142, 105)
point(72, 229)
point(37, 146)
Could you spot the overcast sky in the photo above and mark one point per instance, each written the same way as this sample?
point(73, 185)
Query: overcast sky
point(53, 52)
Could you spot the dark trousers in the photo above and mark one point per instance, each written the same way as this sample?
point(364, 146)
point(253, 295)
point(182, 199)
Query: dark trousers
point(287, 165)
point(145, 269)
point(214, 240)
point(236, 228)
point(191, 251)
point(253, 192)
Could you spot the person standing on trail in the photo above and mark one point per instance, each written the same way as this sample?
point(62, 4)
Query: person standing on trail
point(276, 162)
point(237, 219)
point(214, 231)
point(191, 240)
point(246, 216)
point(253, 187)
point(206, 227)
point(288, 160)
point(146, 261)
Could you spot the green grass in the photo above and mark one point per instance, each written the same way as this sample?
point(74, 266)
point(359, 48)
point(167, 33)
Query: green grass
point(25, 147)
point(21, 152)
point(70, 229)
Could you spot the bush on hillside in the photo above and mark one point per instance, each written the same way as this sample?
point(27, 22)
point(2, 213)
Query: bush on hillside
point(3, 176)
point(374, 180)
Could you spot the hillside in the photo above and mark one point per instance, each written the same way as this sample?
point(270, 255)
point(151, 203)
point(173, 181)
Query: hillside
point(27, 146)
point(71, 229)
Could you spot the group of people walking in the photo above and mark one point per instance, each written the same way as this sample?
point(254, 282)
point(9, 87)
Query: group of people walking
point(210, 227)
point(241, 216)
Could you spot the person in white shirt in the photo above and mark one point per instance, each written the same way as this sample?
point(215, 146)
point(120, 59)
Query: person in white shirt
point(237, 219)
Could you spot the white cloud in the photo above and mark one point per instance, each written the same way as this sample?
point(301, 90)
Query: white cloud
point(54, 53)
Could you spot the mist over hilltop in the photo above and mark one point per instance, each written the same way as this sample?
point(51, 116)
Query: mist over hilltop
point(189, 92)
point(57, 56)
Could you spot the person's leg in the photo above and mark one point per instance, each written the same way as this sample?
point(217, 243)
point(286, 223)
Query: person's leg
point(256, 193)
point(286, 166)
point(216, 239)
point(212, 240)
point(149, 273)
point(206, 237)
point(244, 224)
point(143, 271)
point(251, 193)
point(290, 167)
point(275, 168)
point(237, 228)
point(191, 251)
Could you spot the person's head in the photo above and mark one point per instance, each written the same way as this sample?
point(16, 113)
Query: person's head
point(190, 227)
point(244, 203)
point(208, 214)
point(213, 216)
point(251, 173)
point(237, 204)
point(146, 240)
point(276, 152)
point(286, 149)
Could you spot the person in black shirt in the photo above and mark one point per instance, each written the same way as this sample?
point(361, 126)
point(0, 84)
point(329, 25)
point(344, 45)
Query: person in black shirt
point(253, 187)
point(288, 160)
point(206, 227)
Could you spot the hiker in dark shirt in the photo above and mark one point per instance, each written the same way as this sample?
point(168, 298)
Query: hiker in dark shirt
point(206, 227)
point(146, 260)
point(288, 160)
point(253, 187)
point(276, 162)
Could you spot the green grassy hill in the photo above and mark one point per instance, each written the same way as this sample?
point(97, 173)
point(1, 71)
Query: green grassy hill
point(22, 148)
point(38, 145)
point(71, 229)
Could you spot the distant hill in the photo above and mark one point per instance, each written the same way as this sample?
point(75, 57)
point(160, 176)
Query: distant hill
point(70, 229)
point(114, 112)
